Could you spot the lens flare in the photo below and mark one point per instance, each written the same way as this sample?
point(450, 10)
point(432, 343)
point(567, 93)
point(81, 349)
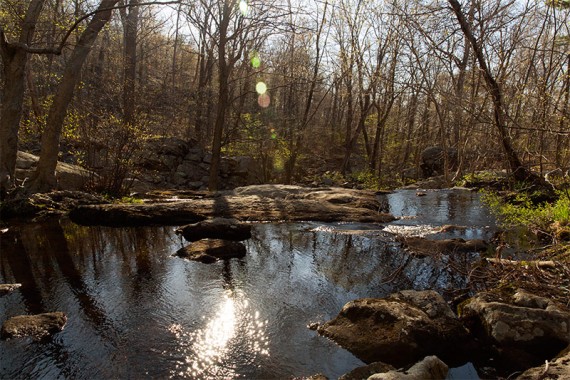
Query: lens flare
point(264, 100)
point(255, 61)
point(261, 88)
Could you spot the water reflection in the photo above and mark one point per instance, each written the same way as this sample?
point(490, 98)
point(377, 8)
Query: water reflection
point(424, 216)
point(235, 327)
point(135, 311)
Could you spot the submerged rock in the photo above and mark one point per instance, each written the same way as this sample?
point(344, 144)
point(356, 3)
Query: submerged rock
point(217, 228)
point(400, 329)
point(212, 250)
point(37, 326)
point(425, 246)
point(526, 329)
point(8, 288)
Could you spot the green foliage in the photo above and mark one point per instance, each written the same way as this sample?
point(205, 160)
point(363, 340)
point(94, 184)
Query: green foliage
point(366, 179)
point(521, 211)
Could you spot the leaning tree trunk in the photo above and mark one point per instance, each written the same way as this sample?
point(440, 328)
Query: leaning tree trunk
point(14, 60)
point(520, 173)
point(44, 177)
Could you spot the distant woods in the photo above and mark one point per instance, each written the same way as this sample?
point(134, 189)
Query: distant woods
point(350, 86)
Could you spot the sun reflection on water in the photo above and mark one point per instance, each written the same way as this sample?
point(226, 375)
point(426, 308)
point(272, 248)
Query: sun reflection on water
point(235, 333)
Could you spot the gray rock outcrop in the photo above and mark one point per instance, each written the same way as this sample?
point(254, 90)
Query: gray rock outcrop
point(69, 177)
point(525, 328)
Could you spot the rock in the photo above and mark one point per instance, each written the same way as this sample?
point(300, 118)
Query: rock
point(432, 160)
point(8, 288)
point(171, 146)
point(558, 368)
point(399, 330)
point(69, 177)
point(527, 329)
point(423, 246)
point(209, 251)
point(38, 326)
point(366, 371)
point(217, 228)
point(318, 376)
point(47, 204)
point(431, 368)
point(252, 203)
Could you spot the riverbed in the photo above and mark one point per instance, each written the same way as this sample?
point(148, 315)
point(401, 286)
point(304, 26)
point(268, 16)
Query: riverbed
point(135, 311)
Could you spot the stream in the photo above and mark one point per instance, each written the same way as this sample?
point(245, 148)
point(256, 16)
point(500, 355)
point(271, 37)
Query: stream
point(135, 311)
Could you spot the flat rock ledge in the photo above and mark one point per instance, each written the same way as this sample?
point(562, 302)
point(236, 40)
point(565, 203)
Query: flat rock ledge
point(208, 251)
point(8, 288)
point(399, 330)
point(37, 326)
point(217, 228)
point(525, 328)
point(251, 203)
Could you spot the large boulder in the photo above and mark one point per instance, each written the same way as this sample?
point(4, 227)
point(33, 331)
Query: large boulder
point(433, 159)
point(526, 329)
point(37, 326)
point(400, 329)
point(217, 228)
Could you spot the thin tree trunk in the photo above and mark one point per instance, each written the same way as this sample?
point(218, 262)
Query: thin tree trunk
point(130, 63)
point(223, 99)
point(519, 171)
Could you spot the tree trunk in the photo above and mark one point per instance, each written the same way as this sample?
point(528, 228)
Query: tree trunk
point(44, 177)
point(14, 59)
point(223, 99)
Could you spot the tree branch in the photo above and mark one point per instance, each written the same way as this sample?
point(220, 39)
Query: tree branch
point(59, 49)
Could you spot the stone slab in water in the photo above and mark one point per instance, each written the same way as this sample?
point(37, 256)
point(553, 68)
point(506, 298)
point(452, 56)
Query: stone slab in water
point(251, 203)
point(36, 326)
point(8, 288)
point(210, 250)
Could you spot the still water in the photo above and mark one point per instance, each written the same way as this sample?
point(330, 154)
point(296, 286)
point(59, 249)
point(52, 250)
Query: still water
point(135, 311)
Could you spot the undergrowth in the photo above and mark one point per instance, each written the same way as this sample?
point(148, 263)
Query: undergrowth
point(550, 218)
